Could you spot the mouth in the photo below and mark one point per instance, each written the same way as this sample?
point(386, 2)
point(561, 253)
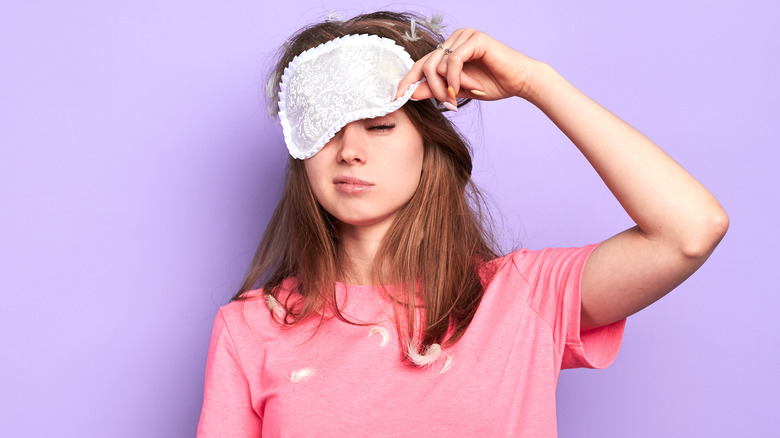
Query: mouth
point(351, 180)
point(350, 185)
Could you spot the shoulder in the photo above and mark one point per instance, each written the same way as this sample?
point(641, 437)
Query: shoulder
point(527, 261)
point(245, 315)
point(253, 313)
point(257, 299)
point(546, 272)
point(549, 260)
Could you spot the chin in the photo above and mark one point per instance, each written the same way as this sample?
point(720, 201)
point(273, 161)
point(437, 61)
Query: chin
point(365, 221)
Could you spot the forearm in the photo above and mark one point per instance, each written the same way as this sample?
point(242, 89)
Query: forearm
point(664, 200)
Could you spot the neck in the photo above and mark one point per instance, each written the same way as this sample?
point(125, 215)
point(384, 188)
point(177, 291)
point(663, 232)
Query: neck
point(360, 244)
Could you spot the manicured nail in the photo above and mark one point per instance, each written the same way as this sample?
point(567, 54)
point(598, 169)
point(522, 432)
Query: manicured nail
point(452, 92)
point(450, 106)
point(478, 93)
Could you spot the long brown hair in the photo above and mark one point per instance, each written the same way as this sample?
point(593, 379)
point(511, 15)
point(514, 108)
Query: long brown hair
point(435, 250)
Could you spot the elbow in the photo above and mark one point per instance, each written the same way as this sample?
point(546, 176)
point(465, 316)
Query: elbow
point(707, 232)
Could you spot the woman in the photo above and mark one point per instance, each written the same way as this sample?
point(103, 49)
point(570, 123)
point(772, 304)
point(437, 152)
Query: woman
point(382, 309)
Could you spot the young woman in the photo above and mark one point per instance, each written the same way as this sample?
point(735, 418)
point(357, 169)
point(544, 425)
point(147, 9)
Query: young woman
point(375, 305)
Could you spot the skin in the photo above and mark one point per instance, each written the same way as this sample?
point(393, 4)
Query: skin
point(387, 154)
point(678, 222)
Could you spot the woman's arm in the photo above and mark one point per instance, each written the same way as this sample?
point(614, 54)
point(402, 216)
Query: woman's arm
point(679, 222)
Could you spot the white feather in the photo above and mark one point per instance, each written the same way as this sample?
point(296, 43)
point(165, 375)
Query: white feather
point(271, 91)
point(435, 23)
point(275, 306)
point(447, 362)
point(297, 375)
point(382, 332)
point(270, 87)
point(428, 357)
point(412, 35)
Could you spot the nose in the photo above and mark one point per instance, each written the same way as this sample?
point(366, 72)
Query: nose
point(351, 144)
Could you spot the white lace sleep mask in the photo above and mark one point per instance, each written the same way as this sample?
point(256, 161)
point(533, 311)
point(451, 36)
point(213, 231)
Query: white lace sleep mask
point(346, 79)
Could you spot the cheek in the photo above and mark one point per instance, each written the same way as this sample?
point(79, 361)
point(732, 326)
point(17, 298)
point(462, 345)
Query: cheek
point(417, 157)
point(410, 169)
point(314, 173)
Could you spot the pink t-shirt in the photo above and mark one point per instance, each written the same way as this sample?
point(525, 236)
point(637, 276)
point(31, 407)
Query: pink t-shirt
point(498, 380)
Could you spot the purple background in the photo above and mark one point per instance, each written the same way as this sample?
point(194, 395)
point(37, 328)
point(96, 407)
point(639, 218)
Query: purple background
point(139, 168)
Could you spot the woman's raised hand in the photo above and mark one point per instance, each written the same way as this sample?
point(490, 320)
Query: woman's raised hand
point(470, 64)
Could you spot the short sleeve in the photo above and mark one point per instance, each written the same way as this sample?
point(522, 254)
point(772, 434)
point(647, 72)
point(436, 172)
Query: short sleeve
point(554, 277)
point(227, 407)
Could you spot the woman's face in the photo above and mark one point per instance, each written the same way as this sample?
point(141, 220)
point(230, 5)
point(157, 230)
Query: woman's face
point(368, 170)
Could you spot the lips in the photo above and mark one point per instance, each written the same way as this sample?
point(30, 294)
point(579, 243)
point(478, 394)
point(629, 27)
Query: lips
point(351, 186)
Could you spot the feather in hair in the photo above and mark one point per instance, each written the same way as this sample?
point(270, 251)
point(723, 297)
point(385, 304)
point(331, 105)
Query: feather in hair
point(429, 356)
point(271, 92)
point(275, 306)
point(435, 23)
point(411, 35)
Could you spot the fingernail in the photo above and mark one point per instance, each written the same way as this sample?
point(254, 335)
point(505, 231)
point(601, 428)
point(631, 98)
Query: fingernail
point(450, 106)
point(451, 91)
point(478, 93)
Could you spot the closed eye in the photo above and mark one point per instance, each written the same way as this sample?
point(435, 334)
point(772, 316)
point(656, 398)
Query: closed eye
point(381, 127)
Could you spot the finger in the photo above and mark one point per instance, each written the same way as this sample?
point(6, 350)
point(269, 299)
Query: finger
point(468, 84)
point(451, 65)
point(422, 92)
point(428, 67)
point(471, 87)
point(436, 82)
point(415, 74)
point(441, 67)
point(467, 48)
